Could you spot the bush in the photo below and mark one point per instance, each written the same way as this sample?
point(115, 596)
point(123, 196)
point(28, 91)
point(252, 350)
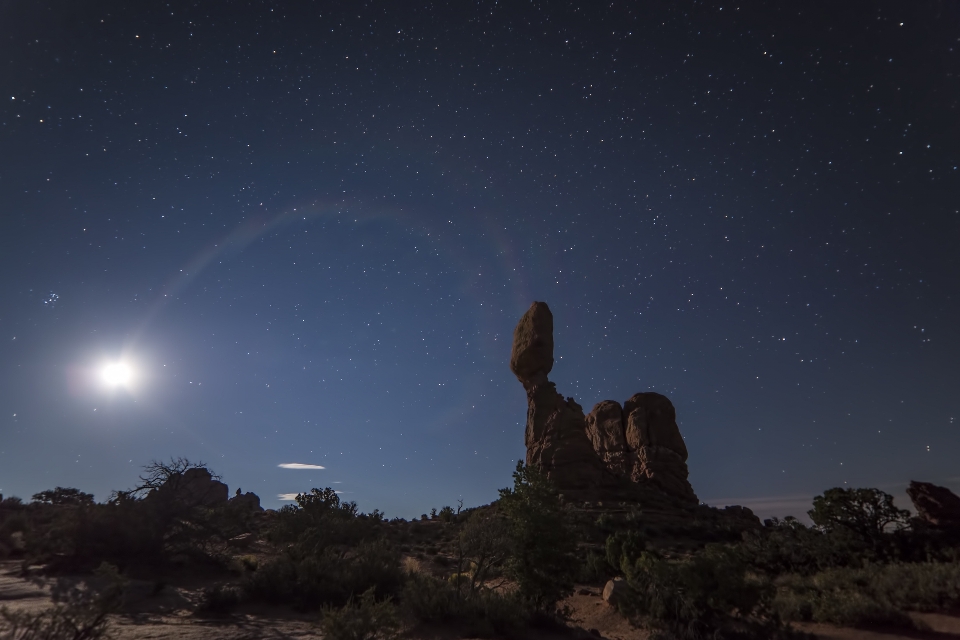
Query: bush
point(482, 549)
point(320, 519)
point(595, 568)
point(218, 600)
point(709, 595)
point(787, 546)
point(543, 563)
point(873, 595)
point(330, 577)
point(446, 514)
point(366, 619)
point(483, 613)
point(624, 547)
point(78, 538)
point(79, 613)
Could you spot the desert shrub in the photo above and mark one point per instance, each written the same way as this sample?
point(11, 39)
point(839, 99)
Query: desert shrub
point(14, 523)
point(363, 619)
point(483, 547)
point(594, 568)
point(483, 613)
point(218, 600)
point(787, 546)
point(872, 595)
point(332, 576)
point(62, 496)
point(80, 537)
point(446, 514)
point(319, 519)
point(543, 561)
point(709, 595)
point(624, 547)
point(429, 599)
point(80, 613)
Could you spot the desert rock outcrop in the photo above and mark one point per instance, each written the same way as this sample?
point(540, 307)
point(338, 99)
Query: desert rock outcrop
point(936, 505)
point(606, 452)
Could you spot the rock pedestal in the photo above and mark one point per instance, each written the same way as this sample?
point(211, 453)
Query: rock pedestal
point(607, 451)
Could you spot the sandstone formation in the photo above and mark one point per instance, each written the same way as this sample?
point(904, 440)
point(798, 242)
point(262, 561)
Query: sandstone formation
point(197, 486)
point(609, 452)
point(248, 501)
point(938, 506)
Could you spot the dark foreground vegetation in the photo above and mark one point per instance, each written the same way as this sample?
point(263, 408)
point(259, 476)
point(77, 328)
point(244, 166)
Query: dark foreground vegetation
point(494, 571)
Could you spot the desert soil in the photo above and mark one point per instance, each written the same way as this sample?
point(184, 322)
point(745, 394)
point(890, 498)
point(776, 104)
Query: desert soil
point(168, 614)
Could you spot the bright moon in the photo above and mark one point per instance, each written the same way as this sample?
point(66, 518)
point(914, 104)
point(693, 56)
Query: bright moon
point(116, 374)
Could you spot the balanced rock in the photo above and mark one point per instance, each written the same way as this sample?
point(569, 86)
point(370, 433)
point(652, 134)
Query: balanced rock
point(531, 357)
point(936, 505)
point(606, 452)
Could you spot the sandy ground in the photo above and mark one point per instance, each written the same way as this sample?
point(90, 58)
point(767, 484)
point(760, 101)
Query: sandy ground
point(167, 614)
point(939, 627)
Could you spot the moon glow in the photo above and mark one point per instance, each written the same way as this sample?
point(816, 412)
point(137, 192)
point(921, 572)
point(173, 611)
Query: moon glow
point(116, 374)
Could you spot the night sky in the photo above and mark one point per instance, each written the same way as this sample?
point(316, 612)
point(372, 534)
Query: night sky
point(308, 230)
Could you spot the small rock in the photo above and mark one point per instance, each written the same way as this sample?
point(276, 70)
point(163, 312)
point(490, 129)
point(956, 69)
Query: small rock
point(614, 591)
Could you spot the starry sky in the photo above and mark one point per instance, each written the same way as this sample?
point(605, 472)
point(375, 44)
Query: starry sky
point(308, 230)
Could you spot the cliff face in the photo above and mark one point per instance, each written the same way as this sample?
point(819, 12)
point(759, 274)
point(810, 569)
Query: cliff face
point(607, 453)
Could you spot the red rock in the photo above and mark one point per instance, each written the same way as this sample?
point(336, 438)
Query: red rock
point(606, 453)
point(614, 591)
point(605, 428)
point(247, 501)
point(936, 505)
point(532, 354)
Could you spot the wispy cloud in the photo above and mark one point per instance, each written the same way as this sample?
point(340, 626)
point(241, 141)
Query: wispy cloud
point(299, 465)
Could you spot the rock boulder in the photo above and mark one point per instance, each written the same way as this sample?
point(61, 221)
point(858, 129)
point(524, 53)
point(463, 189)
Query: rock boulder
point(936, 505)
point(247, 501)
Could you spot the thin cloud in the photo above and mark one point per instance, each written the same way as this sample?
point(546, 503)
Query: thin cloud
point(299, 465)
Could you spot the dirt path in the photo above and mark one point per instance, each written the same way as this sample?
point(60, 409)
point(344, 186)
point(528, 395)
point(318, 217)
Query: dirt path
point(939, 627)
